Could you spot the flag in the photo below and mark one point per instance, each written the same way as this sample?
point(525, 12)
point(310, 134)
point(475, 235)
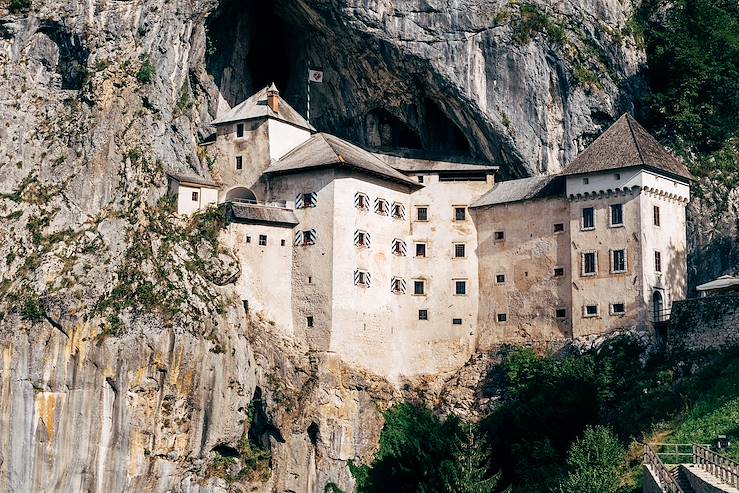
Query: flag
point(315, 74)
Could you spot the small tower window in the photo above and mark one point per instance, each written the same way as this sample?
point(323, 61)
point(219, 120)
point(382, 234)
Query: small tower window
point(502, 318)
point(239, 130)
point(420, 249)
point(500, 279)
point(588, 218)
point(423, 314)
point(460, 213)
point(309, 320)
point(617, 214)
point(460, 288)
point(559, 227)
point(499, 235)
point(239, 162)
point(419, 287)
point(560, 312)
point(262, 240)
point(656, 215)
point(459, 250)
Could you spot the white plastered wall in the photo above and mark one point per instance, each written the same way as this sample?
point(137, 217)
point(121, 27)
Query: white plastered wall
point(284, 137)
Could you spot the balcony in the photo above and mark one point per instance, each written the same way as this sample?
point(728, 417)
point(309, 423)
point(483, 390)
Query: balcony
point(279, 204)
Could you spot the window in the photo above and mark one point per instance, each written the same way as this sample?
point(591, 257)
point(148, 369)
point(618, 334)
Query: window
point(398, 247)
point(398, 211)
point(456, 321)
point(304, 200)
point(381, 207)
point(305, 238)
point(423, 314)
point(262, 240)
point(420, 249)
point(310, 279)
point(419, 287)
point(502, 318)
point(617, 176)
point(618, 261)
point(309, 321)
point(589, 263)
point(618, 309)
point(588, 218)
point(239, 130)
point(500, 279)
point(422, 213)
point(656, 215)
point(460, 288)
point(657, 262)
point(282, 242)
point(420, 178)
point(499, 235)
point(246, 305)
point(361, 201)
point(585, 181)
point(362, 278)
point(195, 196)
point(559, 227)
point(397, 285)
point(239, 162)
point(559, 272)
point(248, 239)
point(560, 312)
point(362, 239)
point(460, 213)
point(459, 250)
point(590, 311)
point(617, 214)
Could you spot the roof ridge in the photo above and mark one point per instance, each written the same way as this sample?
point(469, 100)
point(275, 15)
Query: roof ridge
point(633, 137)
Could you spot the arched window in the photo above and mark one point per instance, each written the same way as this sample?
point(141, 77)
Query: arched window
point(241, 194)
point(658, 306)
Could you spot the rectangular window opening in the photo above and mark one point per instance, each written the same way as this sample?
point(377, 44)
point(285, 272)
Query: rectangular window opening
point(559, 227)
point(262, 240)
point(618, 309)
point(500, 279)
point(619, 261)
point(460, 288)
point(309, 320)
point(420, 249)
point(423, 314)
point(419, 287)
point(195, 196)
point(617, 214)
point(282, 242)
point(559, 272)
point(656, 215)
point(456, 321)
point(248, 239)
point(239, 162)
point(560, 313)
point(502, 318)
point(422, 213)
point(590, 263)
point(420, 178)
point(591, 310)
point(459, 250)
point(239, 130)
point(460, 213)
point(588, 218)
point(657, 262)
point(499, 235)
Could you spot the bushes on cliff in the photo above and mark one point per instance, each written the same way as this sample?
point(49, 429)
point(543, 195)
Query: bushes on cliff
point(595, 463)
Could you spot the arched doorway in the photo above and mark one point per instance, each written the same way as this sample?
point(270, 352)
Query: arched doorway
point(658, 305)
point(241, 194)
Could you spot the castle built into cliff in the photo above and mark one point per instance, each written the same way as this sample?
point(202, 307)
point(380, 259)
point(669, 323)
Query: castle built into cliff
point(406, 266)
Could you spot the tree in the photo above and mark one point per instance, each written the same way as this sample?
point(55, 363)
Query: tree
point(473, 465)
point(595, 463)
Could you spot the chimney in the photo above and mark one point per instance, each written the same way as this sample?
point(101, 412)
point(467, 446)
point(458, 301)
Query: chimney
point(273, 98)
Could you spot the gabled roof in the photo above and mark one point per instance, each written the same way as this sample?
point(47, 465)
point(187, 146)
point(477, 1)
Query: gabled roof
point(193, 180)
point(414, 165)
point(626, 144)
point(256, 107)
point(261, 214)
point(326, 150)
point(719, 283)
point(523, 189)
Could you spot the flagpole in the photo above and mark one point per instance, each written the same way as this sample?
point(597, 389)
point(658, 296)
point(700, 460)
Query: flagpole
point(307, 78)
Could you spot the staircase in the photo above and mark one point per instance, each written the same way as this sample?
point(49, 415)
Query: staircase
point(676, 467)
point(678, 474)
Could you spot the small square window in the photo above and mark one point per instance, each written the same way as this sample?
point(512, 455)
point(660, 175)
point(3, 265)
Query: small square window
point(617, 176)
point(617, 214)
point(282, 242)
point(262, 240)
point(502, 318)
point(456, 321)
point(248, 239)
point(591, 310)
point(588, 218)
point(618, 309)
point(239, 130)
point(309, 200)
point(309, 321)
point(460, 213)
point(422, 213)
point(499, 235)
point(585, 181)
point(420, 178)
point(459, 250)
point(559, 227)
point(195, 196)
point(420, 249)
point(500, 279)
point(460, 288)
point(239, 162)
point(559, 272)
point(419, 287)
point(423, 314)
point(560, 313)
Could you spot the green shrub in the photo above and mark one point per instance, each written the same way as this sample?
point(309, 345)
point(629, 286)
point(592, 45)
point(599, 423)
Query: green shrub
point(16, 6)
point(146, 72)
point(595, 462)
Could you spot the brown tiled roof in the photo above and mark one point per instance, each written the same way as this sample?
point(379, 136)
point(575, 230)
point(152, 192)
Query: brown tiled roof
point(534, 187)
point(326, 150)
point(253, 213)
point(256, 107)
point(623, 145)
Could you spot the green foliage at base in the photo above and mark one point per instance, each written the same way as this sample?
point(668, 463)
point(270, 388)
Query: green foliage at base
point(595, 463)
point(146, 71)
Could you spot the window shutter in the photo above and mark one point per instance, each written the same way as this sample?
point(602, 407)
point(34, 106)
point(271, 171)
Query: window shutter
point(368, 279)
point(626, 260)
point(298, 238)
point(314, 199)
point(356, 238)
point(314, 236)
point(368, 239)
point(299, 201)
point(356, 277)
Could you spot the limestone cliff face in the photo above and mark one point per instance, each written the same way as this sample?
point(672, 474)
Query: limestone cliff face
point(127, 362)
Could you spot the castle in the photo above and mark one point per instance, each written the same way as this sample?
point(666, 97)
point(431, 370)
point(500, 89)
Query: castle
point(406, 266)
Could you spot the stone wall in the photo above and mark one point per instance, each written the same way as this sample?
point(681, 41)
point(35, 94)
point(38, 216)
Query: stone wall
point(704, 323)
point(650, 484)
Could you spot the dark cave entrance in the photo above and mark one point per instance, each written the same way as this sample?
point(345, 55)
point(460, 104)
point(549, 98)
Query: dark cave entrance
point(383, 130)
point(442, 134)
point(249, 47)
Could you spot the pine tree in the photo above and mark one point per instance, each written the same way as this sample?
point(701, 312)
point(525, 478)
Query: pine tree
point(473, 462)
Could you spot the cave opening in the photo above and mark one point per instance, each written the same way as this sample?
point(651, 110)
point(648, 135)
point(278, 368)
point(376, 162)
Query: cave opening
point(225, 451)
point(73, 54)
point(314, 434)
point(383, 130)
point(443, 135)
point(249, 47)
point(261, 428)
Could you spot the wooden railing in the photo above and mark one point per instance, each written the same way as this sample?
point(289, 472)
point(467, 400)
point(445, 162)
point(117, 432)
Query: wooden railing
point(664, 476)
point(723, 468)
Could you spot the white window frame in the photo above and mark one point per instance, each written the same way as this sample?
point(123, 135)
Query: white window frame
point(582, 219)
point(364, 236)
point(464, 209)
point(380, 202)
point(362, 278)
point(585, 313)
point(611, 253)
point(454, 321)
point(238, 163)
point(195, 196)
point(611, 224)
point(259, 240)
point(466, 284)
point(425, 314)
point(464, 247)
point(613, 312)
point(498, 320)
point(398, 248)
point(397, 210)
point(582, 263)
point(425, 249)
point(361, 201)
point(397, 285)
point(656, 264)
point(417, 208)
point(505, 278)
point(423, 282)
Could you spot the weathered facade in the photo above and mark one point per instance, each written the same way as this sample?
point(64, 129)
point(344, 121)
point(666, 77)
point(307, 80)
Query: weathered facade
point(406, 266)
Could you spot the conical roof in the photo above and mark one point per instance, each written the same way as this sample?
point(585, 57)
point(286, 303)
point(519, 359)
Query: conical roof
point(626, 144)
